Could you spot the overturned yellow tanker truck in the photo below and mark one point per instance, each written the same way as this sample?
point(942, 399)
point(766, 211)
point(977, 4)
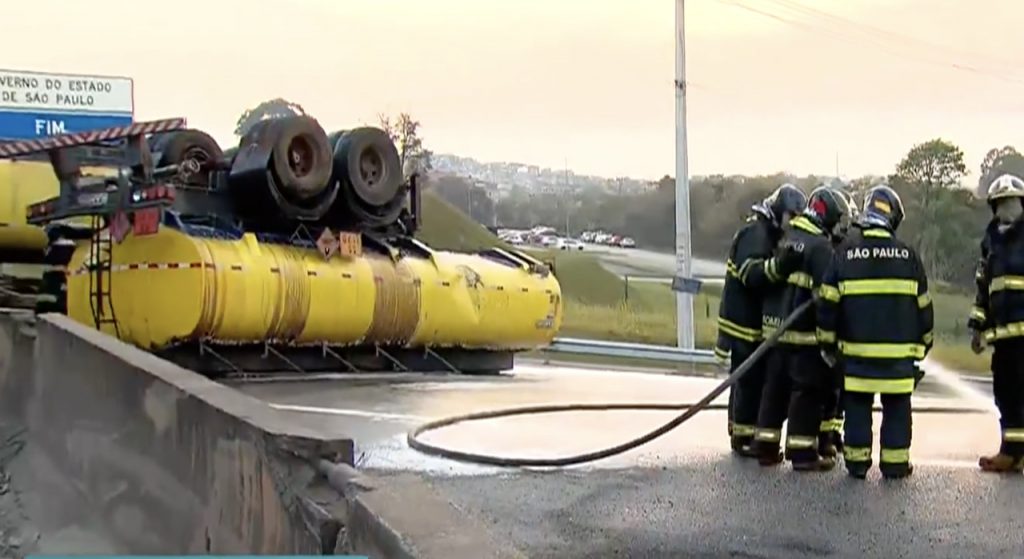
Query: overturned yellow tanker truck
point(294, 251)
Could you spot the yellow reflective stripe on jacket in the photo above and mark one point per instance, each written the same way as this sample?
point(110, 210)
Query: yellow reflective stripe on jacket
point(882, 351)
point(895, 456)
point(737, 331)
point(801, 222)
point(1006, 283)
point(798, 338)
point(829, 293)
point(801, 279)
point(745, 268)
point(826, 336)
point(730, 269)
point(1011, 330)
point(924, 299)
point(877, 233)
point(857, 453)
point(878, 287)
point(879, 385)
point(978, 313)
point(770, 271)
point(1013, 435)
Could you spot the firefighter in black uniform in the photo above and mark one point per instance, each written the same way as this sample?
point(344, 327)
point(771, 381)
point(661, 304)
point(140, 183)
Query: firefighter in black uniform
point(797, 377)
point(749, 270)
point(875, 320)
point(998, 317)
point(830, 436)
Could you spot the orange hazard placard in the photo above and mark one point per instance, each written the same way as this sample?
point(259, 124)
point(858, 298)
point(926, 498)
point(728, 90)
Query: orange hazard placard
point(327, 244)
point(350, 244)
point(147, 222)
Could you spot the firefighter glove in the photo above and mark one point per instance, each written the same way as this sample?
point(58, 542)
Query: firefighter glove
point(977, 341)
point(788, 261)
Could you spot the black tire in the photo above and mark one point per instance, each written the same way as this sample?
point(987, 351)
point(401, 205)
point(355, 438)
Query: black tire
point(367, 164)
point(301, 158)
point(333, 138)
point(176, 147)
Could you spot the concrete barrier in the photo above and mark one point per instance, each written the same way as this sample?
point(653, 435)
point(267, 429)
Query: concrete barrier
point(161, 460)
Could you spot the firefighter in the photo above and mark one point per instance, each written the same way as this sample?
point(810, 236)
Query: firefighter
point(750, 269)
point(830, 436)
point(796, 376)
point(875, 321)
point(998, 318)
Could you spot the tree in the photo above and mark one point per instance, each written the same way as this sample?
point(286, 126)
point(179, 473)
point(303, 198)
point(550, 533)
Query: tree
point(931, 165)
point(404, 131)
point(941, 222)
point(997, 162)
point(274, 108)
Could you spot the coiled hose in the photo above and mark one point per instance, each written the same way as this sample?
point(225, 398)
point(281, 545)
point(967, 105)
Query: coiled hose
point(690, 410)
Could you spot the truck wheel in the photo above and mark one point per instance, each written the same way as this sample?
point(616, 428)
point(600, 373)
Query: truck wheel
point(366, 162)
point(177, 147)
point(301, 157)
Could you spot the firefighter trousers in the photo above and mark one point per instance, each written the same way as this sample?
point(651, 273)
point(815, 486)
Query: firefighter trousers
point(774, 402)
point(831, 409)
point(795, 388)
point(1008, 388)
point(896, 432)
point(745, 396)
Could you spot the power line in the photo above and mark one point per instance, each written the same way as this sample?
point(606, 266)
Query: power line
point(858, 41)
point(885, 34)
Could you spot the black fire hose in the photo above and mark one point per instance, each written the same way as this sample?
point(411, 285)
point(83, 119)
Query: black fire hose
point(690, 410)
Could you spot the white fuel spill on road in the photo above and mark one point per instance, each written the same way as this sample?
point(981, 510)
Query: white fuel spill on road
point(378, 416)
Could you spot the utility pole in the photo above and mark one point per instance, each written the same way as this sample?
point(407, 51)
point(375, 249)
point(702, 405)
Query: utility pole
point(566, 196)
point(684, 301)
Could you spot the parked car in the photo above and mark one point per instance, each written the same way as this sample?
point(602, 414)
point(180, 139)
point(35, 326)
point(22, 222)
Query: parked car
point(548, 241)
point(569, 244)
point(627, 242)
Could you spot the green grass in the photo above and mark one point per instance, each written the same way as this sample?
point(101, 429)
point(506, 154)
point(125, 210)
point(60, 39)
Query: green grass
point(600, 305)
point(444, 227)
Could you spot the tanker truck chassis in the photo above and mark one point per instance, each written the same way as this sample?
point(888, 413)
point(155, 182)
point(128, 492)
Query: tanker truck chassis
point(294, 251)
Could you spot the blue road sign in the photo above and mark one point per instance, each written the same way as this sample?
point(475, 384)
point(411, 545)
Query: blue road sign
point(16, 125)
point(37, 104)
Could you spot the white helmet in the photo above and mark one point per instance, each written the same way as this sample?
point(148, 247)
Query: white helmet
point(1006, 186)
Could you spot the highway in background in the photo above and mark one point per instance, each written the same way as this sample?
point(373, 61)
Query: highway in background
point(682, 495)
point(641, 264)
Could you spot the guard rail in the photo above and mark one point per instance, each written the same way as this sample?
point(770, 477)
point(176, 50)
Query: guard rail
point(626, 350)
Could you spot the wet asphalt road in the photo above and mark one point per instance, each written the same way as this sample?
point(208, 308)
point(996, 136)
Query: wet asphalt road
point(683, 495)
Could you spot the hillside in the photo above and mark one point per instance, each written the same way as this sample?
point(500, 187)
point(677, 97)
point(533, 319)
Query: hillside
point(445, 227)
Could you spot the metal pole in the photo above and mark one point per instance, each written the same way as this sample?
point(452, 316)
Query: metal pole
point(684, 301)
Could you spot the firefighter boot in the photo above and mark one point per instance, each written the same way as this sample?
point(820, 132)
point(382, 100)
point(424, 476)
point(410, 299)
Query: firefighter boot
point(1001, 463)
point(768, 454)
point(821, 464)
point(826, 445)
point(897, 471)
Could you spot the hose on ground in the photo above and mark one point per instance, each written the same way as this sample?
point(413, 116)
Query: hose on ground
point(690, 410)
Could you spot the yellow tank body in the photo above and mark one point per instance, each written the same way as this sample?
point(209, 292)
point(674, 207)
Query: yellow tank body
point(172, 287)
point(23, 183)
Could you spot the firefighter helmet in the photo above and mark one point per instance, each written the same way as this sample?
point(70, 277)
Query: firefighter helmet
point(787, 198)
point(882, 208)
point(1006, 186)
point(827, 206)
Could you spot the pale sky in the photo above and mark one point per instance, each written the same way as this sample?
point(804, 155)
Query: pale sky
point(583, 81)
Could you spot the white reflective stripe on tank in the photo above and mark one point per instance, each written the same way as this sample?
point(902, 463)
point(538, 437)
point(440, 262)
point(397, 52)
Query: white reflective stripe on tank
point(155, 266)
